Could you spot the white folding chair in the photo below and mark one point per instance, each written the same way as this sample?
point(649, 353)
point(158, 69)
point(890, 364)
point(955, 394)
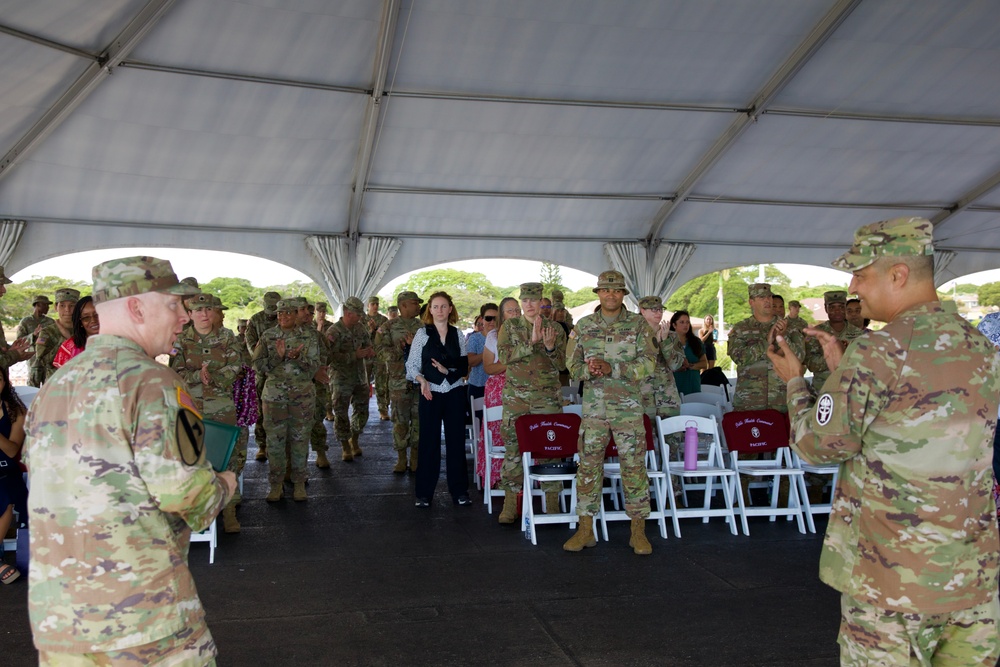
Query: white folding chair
point(710, 468)
point(570, 394)
point(476, 406)
point(613, 474)
point(491, 415)
point(208, 535)
point(574, 409)
point(763, 432)
point(703, 410)
point(551, 436)
point(705, 397)
point(713, 389)
point(820, 508)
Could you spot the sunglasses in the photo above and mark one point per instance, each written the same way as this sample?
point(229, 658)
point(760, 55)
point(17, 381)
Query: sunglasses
point(546, 307)
point(489, 318)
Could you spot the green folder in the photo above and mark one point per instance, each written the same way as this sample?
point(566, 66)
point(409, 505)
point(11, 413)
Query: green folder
point(220, 441)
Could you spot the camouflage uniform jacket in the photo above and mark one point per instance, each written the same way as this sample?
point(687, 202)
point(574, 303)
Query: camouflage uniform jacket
point(627, 344)
point(797, 323)
point(391, 348)
point(757, 386)
point(7, 359)
point(46, 345)
point(532, 371)
point(346, 370)
point(660, 397)
point(373, 322)
point(815, 361)
point(258, 323)
point(225, 362)
point(909, 416)
point(117, 485)
point(287, 379)
point(27, 326)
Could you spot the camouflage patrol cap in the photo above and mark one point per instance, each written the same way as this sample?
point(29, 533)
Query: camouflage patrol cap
point(531, 290)
point(67, 294)
point(408, 296)
point(298, 301)
point(271, 300)
point(794, 303)
point(651, 302)
point(611, 280)
point(373, 299)
point(285, 306)
point(835, 296)
point(757, 290)
point(322, 305)
point(4, 280)
point(898, 237)
point(199, 301)
point(217, 303)
point(41, 298)
point(192, 281)
point(131, 276)
point(354, 304)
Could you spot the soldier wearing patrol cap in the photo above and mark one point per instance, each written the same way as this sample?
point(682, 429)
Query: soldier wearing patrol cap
point(350, 346)
point(613, 352)
point(260, 322)
point(909, 414)
point(757, 386)
point(51, 336)
point(32, 324)
point(119, 437)
point(376, 369)
point(534, 351)
point(392, 344)
point(660, 397)
point(835, 303)
point(288, 356)
point(21, 348)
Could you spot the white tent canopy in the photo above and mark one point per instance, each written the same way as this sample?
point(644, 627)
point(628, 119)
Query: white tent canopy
point(742, 132)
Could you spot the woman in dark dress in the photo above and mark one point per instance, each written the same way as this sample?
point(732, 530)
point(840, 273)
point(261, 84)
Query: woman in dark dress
point(13, 493)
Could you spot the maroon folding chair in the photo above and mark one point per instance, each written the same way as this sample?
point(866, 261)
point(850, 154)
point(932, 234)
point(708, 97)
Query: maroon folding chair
point(552, 436)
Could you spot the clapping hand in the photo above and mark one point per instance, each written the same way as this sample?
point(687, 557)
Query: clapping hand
point(279, 347)
point(536, 330)
point(205, 378)
point(598, 367)
point(548, 337)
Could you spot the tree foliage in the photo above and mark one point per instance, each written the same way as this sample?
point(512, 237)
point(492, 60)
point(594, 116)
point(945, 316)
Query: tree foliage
point(17, 301)
point(551, 278)
point(425, 283)
point(989, 294)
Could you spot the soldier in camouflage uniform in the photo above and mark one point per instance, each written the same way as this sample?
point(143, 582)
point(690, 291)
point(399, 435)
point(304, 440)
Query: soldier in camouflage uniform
point(119, 480)
point(376, 369)
point(534, 351)
point(660, 397)
point(392, 345)
point(613, 352)
point(794, 321)
point(909, 414)
point(21, 349)
point(757, 386)
point(350, 346)
point(288, 356)
point(52, 336)
point(835, 303)
point(29, 325)
point(260, 322)
point(209, 360)
point(310, 320)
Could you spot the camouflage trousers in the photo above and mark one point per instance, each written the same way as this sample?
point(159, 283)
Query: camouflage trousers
point(36, 376)
point(356, 398)
point(318, 434)
point(512, 472)
point(382, 386)
point(289, 422)
point(630, 436)
point(191, 647)
point(259, 433)
point(405, 417)
point(873, 636)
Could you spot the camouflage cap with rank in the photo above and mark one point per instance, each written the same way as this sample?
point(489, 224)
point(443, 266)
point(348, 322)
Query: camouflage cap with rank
point(758, 290)
point(131, 276)
point(322, 305)
point(898, 237)
point(297, 301)
point(271, 300)
point(531, 290)
point(408, 296)
point(373, 299)
point(4, 280)
point(354, 304)
point(611, 280)
point(199, 301)
point(285, 306)
point(651, 303)
point(41, 299)
point(67, 294)
point(217, 303)
point(835, 296)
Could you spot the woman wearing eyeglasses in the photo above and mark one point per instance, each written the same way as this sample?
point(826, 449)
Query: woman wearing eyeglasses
point(85, 325)
point(497, 373)
point(475, 344)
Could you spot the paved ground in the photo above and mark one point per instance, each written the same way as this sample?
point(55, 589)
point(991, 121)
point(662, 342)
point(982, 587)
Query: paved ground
point(358, 576)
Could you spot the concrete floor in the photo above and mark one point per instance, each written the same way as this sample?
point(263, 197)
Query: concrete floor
point(358, 576)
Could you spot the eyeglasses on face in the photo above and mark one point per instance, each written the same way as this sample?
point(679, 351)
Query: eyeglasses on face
point(489, 318)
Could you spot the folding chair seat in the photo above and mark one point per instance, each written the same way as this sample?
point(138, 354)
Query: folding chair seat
point(573, 409)
point(705, 397)
point(613, 475)
point(763, 432)
point(715, 377)
point(820, 508)
point(710, 469)
point(552, 436)
point(476, 409)
point(491, 415)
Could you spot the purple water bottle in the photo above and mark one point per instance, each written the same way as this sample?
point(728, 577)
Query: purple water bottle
point(691, 446)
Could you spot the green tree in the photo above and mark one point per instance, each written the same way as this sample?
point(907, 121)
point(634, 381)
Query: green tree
point(17, 301)
point(234, 292)
point(700, 296)
point(551, 278)
point(580, 297)
point(989, 294)
point(425, 283)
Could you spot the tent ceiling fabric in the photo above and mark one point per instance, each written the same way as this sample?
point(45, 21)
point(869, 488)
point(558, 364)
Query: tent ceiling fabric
point(762, 131)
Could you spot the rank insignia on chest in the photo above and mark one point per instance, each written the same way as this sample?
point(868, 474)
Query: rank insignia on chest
point(205, 351)
point(609, 339)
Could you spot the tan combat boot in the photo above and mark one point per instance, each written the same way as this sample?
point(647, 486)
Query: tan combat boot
point(583, 537)
point(383, 415)
point(640, 545)
point(552, 502)
point(413, 459)
point(261, 453)
point(355, 447)
point(299, 492)
point(321, 460)
point(346, 446)
point(509, 512)
point(400, 461)
point(275, 493)
point(230, 524)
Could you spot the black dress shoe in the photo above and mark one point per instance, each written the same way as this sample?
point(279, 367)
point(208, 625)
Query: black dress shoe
point(422, 502)
point(463, 501)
